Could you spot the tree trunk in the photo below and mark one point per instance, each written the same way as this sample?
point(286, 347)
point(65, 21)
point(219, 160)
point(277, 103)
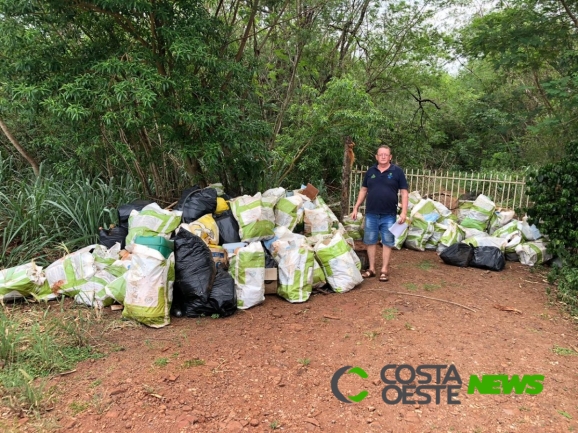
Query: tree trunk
point(20, 149)
point(348, 158)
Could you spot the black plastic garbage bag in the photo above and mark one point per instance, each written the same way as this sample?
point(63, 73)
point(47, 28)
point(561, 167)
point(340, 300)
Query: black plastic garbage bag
point(194, 274)
point(125, 210)
point(184, 195)
point(223, 297)
point(458, 255)
point(512, 257)
point(228, 228)
point(490, 258)
point(270, 262)
point(198, 203)
point(109, 237)
point(222, 300)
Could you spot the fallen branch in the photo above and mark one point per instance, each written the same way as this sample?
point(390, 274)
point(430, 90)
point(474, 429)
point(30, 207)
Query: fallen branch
point(423, 296)
point(331, 317)
point(504, 308)
point(169, 207)
point(535, 282)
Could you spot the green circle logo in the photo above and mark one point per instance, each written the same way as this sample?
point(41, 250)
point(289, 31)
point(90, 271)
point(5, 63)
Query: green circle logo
point(335, 380)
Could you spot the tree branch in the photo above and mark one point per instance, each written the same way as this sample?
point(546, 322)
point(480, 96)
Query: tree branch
point(569, 12)
point(20, 149)
point(295, 159)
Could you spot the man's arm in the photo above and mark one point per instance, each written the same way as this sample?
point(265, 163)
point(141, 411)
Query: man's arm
point(360, 199)
point(404, 201)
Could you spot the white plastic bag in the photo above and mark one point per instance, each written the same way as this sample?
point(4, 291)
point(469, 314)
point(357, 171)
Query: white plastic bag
point(532, 253)
point(296, 266)
point(149, 287)
point(23, 281)
point(480, 213)
point(334, 256)
point(70, 273)
point(152, 221)
point(256, 220)
point(247, 268)
point(419, 232)
point(289, 211)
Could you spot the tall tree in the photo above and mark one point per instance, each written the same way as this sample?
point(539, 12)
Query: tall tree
point(151, 85)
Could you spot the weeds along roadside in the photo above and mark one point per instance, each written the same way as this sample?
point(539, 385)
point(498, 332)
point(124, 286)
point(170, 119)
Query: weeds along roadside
point(39, 218)
point(39, 341)
point(42, 216)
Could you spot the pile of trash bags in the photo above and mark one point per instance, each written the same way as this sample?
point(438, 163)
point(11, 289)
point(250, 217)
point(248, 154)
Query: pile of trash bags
point(209, 255)
point(212, 254)
point(477, 235)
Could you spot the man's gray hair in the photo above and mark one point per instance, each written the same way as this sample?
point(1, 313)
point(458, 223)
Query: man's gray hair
point(383, 147)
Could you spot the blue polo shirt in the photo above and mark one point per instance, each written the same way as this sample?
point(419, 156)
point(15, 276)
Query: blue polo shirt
point(382, 189)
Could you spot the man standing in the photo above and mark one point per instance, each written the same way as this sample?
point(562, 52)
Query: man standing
point(381, 185)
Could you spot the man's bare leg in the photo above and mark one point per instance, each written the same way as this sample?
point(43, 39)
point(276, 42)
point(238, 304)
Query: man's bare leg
point(371, 257)
point(386, 256)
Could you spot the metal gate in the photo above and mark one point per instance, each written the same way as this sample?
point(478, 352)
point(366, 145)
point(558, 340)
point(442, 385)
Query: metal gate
point(506, 190)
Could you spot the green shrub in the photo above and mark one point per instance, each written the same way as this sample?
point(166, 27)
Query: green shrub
point(554, 191)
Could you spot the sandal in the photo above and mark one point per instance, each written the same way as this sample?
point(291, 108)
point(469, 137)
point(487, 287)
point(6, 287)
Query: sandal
point(368, 274)
point(383, 277)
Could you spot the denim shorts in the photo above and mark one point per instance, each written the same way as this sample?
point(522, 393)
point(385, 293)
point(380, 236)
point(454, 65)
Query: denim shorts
point(376, 224)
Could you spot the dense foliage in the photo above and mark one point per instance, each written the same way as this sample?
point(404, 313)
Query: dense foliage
point(256, 94)
point(553, 188)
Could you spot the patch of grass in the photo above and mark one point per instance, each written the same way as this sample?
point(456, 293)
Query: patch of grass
point(148, 343)
point(304, 361)
point(431, 287)
point(275, 425)
point(195, 362)
point(117, 348)
point(161, 362)
point(35, 343)
point(77, 407)
point(411, 286)
point(563, 351)
point(565, 414)
point(96, 383)
point(409, 326)
point(371, 334)
point(425, 265)
point(524, 409)
point(389, 313)
point(100, 403)
point(215, 316)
